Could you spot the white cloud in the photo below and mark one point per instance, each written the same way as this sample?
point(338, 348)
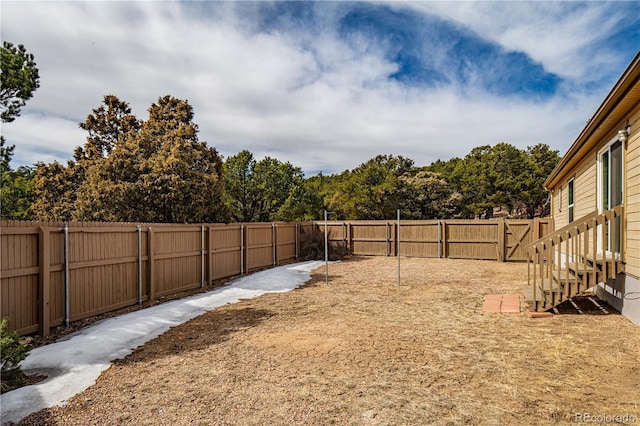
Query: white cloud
point(42, 138)
point(302, 95)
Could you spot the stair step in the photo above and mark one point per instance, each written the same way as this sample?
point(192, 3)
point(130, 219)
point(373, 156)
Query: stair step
point(564, 277)
point(579, 268)
point(597, 259)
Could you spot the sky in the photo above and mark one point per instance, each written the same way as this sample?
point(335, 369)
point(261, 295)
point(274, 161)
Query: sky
point(325, 85)
point(73, 363)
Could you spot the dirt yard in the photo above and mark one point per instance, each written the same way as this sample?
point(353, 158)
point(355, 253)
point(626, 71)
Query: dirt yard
point(362, 350)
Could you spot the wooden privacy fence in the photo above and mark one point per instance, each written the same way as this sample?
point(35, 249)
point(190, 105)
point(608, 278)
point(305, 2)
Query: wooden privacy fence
point(54, 273)
point(499, 239)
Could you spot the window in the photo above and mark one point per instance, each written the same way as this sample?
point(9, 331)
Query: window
point(611, 181)
point(610, 191)
point(570, 199)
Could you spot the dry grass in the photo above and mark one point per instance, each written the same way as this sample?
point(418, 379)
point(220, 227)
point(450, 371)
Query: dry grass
point(362, 350)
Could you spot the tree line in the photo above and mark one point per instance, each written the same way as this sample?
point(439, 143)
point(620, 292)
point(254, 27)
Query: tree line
point(130, 170)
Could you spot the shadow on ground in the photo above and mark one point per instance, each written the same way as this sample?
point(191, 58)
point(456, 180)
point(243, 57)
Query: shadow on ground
point(585, 305)
point(199, 333)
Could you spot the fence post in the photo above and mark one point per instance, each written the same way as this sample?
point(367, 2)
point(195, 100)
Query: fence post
point(274, 243)
point(150, 251)
point(243, 252)
point(44, 284)
point(201, 256)
point(297, 247)
point(393, 238)
point(210, 255)
point(398, 247)
point(66, 275)
point(500, 244)
point(439, 240)
point(350, 236)
point(139, 231)
point(326, 250)
point(443, 228)
point(386, 237)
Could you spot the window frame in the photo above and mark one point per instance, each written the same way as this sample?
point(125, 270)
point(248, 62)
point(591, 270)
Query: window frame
point(571, 199)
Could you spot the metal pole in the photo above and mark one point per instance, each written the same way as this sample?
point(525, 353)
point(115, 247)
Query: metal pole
point(66, 274)
point(398, 250)
point(201, 256)
point(326, 250)
point(139, 229)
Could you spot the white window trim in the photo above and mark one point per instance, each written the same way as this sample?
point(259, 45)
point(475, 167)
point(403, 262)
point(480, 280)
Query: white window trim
point(604, 149)
point(599, 171)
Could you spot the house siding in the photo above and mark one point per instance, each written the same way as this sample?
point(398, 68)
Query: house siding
point(584, 193)
point(586, 187)
point(632, 196)
point(622, 292)
point(620, 110)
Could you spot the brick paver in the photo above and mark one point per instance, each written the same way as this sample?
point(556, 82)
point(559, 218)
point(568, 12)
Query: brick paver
point(505, 304)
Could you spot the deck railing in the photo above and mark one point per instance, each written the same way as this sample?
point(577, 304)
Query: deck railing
point(576, 257)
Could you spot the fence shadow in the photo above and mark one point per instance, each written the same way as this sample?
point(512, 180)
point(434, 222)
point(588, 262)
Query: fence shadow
point(210, 328)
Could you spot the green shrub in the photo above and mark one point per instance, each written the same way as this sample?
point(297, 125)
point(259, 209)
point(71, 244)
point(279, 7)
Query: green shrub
point(12, 351)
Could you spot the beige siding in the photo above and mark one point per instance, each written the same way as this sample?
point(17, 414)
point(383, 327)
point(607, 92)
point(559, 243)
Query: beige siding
point(586, 187)
point(632, 196)
point(560, 210)
point(584, 193)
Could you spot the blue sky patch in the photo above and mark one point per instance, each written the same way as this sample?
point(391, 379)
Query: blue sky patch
point(431, 52)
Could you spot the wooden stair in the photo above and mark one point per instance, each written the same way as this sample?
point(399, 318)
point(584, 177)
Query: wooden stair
point(572, 281)
point(562, 265)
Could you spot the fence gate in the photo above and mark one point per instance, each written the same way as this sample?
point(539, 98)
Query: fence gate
point(517, 235)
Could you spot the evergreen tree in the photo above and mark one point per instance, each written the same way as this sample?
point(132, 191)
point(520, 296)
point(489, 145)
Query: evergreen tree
point(240, 188)
point(17, 193)
point(155, 171)
point(106, 125)
point(541, 160)
point(256, 191)
point(373, 190)
point(56, 190)
point(19, 78)
point(160, 174)
point(429, 196)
